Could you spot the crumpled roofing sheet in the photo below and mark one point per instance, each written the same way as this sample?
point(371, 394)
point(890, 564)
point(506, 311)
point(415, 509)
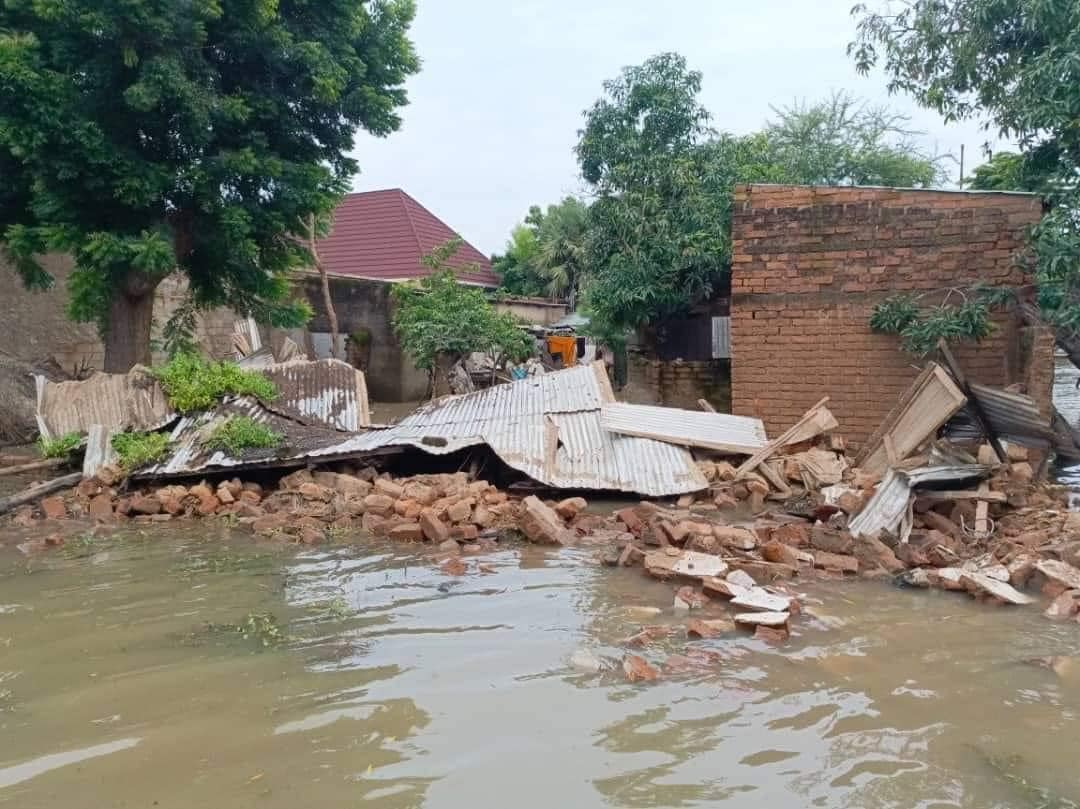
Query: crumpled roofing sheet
point(324, 392)
point(549, 428)
point(886, 509)
point(118, 402)
point(690, 428)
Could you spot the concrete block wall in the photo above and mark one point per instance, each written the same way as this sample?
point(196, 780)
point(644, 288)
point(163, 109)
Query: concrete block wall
point(810, 263)
point(34, 325)
point(680, 383)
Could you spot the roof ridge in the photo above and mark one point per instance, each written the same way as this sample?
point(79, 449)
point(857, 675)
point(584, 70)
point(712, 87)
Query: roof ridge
point(402, 197)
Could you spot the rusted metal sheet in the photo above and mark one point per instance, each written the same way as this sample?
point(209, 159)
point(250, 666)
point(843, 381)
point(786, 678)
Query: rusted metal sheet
point(189, 456)
point(118, 402)
point(328, 392)
point(689, 428)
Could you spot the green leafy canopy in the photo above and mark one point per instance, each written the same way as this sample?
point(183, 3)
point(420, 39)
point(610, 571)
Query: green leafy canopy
point(437, 317)
point(143, 136)
point(658, 235)
point(1015, 66)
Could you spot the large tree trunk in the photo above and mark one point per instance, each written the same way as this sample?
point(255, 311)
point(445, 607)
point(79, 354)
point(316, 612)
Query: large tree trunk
point(131, 318)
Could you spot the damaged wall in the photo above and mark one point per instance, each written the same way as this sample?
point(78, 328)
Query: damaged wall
point(810, 263)
point(34, 326)
point(363, 304)
point(679, 383)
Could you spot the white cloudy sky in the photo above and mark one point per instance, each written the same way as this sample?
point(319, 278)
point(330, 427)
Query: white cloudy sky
point(494, 112)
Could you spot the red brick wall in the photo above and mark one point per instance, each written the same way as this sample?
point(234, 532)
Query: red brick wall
point(810, 263)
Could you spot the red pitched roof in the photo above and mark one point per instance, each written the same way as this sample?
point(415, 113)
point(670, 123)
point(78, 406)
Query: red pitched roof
point(383, 234)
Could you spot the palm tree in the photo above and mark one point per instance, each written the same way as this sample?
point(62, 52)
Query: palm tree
point(561, 257)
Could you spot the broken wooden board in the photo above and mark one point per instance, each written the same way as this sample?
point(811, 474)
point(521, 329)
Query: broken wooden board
point(814, 421)
point(760, 600)
point(691, 564)
point(689, 428)
point(980, 582)
point(930, 496)
point(1061, 572)
point(773, 619)
point(931, 401)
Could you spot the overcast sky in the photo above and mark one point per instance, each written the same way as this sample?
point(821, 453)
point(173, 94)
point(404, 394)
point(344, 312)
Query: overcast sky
point(494, 113)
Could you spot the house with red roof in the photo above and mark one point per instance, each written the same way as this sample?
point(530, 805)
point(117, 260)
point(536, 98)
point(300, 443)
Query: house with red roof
point(382, 235)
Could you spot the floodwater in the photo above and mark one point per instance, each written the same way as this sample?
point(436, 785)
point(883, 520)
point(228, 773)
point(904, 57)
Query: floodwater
point(182, 671)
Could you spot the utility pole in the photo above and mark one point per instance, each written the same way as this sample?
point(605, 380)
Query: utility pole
point(961, 167)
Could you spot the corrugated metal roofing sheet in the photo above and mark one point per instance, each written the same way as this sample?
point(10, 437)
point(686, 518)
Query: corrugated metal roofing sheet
point(885, 510)
point(1013, 416)
point(329, 392)
point(131, 401)
point(547, 427)
point(690, 428)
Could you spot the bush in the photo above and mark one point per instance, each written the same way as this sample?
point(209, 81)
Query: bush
point(60, 447)
point(192, 383)
point(136, 450)
point(239, 433)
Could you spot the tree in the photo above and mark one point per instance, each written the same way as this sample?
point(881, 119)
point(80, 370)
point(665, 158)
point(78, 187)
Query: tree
point(146, 136)
point(1006, 171)
point(1016, 67)
point(546, 253)
point(659, 231)
point(844, 141)
point(656, 239)
point(441, 322)
point(517, 267)
point(561, 239)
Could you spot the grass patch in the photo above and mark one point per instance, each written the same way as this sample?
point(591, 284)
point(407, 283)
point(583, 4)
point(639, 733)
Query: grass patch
point(139, 449)
point(193, 383)
point(60, 447)
point(239, 433)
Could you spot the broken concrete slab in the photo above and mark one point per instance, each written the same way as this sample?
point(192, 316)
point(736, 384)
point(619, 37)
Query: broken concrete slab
point(1061, 572)
point(977, 583)
point(760, 600)
point(671, 562)
point(755, 619)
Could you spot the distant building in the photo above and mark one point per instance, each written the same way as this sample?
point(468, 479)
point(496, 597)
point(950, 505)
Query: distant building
point(382, 235)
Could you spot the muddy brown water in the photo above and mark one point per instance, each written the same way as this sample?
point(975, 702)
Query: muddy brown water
point(189, 670)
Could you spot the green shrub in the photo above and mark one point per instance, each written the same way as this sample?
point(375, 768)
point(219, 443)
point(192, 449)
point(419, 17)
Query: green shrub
point(136, 450)
point(239, 433)
point(60, 447)
point(193, 383)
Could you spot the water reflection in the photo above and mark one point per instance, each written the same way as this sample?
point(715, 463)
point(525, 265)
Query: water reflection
point(386, 688)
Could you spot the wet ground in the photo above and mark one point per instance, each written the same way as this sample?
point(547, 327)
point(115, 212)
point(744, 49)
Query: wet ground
point(194, 670)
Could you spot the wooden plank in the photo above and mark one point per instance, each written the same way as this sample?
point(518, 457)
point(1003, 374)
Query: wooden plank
point(937, 497)
point(39, 491)
point(704, 405)
point(929, 403)
point(50, 463)
point(982, 511)
point(890, 449)
point(775, 479)
point(755, 460)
